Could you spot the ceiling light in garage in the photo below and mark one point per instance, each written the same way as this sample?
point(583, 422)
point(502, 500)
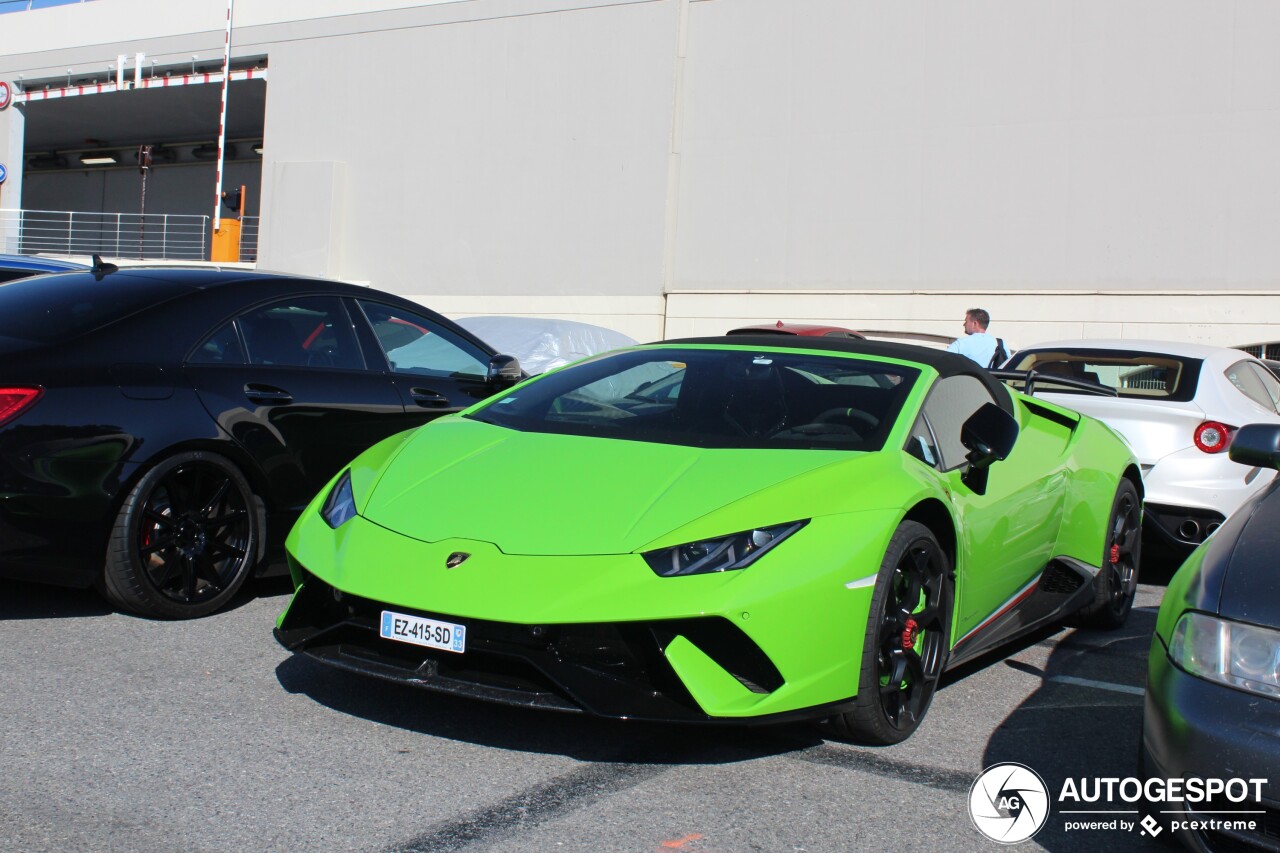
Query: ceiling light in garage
point(99, 158)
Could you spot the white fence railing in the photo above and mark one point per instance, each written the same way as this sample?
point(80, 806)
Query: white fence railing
point(151, 236)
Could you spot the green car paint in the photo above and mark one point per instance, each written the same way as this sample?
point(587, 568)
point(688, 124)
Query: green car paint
point(556, 526)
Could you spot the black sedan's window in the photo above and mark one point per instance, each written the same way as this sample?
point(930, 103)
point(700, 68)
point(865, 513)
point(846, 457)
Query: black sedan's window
point(715, 398)
point(222, 347)
point(415, 344)
point(312, 331)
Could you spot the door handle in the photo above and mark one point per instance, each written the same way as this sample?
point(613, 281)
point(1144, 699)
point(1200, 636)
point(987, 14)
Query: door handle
point(428, 399)
point(268, 395)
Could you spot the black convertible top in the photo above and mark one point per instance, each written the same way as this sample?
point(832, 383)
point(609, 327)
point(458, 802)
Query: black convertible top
point(946, 363)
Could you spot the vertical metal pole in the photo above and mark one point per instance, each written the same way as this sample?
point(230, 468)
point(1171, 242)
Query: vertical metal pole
point(222, 121)
point(144, 166)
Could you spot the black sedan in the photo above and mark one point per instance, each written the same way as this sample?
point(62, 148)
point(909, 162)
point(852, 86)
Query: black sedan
point(1212, 708)
point(160, 429)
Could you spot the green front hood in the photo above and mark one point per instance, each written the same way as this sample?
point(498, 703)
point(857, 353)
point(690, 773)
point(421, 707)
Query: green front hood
point(540, 494)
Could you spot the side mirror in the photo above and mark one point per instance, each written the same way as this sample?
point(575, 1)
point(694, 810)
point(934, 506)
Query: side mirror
point(1257, 445)
point(989, 435)
point(504, 371)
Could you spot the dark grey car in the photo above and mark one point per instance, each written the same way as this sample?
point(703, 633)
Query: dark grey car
point(1212, 711)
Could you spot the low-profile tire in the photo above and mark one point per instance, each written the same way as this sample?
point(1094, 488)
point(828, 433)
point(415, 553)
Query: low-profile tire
point(906, 643)
point(1117, 581)
point(186, 538)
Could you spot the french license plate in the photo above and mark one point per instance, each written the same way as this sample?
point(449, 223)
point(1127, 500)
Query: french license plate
point(423, 632)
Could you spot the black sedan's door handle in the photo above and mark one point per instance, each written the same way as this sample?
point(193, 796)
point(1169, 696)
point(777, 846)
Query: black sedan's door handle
point(428, 399)
point(268, 395)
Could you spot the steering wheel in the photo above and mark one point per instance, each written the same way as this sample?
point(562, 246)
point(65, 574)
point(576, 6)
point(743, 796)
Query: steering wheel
point(855, 418)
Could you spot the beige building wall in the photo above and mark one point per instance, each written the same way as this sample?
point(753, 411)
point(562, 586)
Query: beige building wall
point(672, 167)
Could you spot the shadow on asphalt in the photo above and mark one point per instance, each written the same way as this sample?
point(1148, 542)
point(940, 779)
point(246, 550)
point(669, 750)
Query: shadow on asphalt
point(1099, 738)
point(20, 600)
point(38, 601)
point(576, 736)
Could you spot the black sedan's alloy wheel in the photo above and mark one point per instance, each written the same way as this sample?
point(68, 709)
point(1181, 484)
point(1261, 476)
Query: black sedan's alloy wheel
point(1117, 581)
point(906, 644)
point(185, 540)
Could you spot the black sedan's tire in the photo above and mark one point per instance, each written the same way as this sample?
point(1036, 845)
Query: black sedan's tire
point(1117, 581)
point(905, 646)
point(185, 540)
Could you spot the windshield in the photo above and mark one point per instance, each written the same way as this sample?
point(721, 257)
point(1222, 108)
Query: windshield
point(714, 398)
point(1145, 375)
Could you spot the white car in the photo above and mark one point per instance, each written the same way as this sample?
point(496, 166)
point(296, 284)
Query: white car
point(1178, 406)
point(543, 343)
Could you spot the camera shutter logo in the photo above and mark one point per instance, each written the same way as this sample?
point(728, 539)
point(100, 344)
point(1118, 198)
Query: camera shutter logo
point(1009, 803)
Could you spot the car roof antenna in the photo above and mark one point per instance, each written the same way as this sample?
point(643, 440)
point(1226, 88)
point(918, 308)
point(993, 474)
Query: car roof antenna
point(101, 268)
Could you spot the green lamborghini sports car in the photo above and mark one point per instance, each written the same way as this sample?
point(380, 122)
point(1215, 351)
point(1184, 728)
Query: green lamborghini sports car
point(720, 529)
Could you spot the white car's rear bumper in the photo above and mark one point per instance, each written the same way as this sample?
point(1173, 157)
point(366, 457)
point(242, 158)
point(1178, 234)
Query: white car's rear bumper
point(1189, 493)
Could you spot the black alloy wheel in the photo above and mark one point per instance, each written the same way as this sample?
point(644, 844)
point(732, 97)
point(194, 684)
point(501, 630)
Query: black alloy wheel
point(185, 540)
point(1117, 580)
point(906, 643)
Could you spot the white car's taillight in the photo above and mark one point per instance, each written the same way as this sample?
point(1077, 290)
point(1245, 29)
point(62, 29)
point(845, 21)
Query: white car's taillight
point(1212, 436)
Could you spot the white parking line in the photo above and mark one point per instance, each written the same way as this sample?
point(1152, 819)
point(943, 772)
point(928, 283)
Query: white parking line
point(1101, 685)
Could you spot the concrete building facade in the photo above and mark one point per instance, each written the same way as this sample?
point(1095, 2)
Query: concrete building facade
point(673, 167)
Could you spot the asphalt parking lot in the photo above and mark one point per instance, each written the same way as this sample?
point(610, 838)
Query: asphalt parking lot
point(126, 734)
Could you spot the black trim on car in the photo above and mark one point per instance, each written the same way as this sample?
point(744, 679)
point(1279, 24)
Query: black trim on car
point(605, 669)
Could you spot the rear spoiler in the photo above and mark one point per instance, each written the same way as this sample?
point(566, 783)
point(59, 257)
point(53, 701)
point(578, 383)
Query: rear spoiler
point(1029, 378)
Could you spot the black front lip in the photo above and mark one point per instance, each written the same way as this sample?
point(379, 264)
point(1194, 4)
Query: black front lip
point(607, 670)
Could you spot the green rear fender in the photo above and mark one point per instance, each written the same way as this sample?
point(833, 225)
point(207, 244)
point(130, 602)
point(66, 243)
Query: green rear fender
point(1102, 461)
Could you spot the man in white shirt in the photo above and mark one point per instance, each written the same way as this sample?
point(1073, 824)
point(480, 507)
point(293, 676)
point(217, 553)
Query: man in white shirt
point(976, 343)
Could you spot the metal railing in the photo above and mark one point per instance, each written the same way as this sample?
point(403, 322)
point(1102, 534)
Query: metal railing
point(151, 236)
point(249, 239)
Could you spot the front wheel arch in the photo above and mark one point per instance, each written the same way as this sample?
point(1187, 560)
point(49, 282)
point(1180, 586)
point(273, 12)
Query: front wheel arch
point(906, 640)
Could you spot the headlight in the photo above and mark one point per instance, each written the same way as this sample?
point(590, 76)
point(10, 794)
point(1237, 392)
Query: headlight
point(1232, 653)
point(340, 506)
point(736, 551)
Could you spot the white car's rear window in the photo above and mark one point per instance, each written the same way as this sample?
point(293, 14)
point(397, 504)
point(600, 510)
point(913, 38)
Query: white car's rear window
point(1132, 374)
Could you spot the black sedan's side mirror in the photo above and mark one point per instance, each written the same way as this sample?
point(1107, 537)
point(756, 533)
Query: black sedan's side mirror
point(504, 371)
point(1257, 445)
point(989, 435)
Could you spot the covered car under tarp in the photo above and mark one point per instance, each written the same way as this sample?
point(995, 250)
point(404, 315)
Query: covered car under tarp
point(543, 343)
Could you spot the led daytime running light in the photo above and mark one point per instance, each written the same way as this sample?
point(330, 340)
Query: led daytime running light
point(722, 554)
